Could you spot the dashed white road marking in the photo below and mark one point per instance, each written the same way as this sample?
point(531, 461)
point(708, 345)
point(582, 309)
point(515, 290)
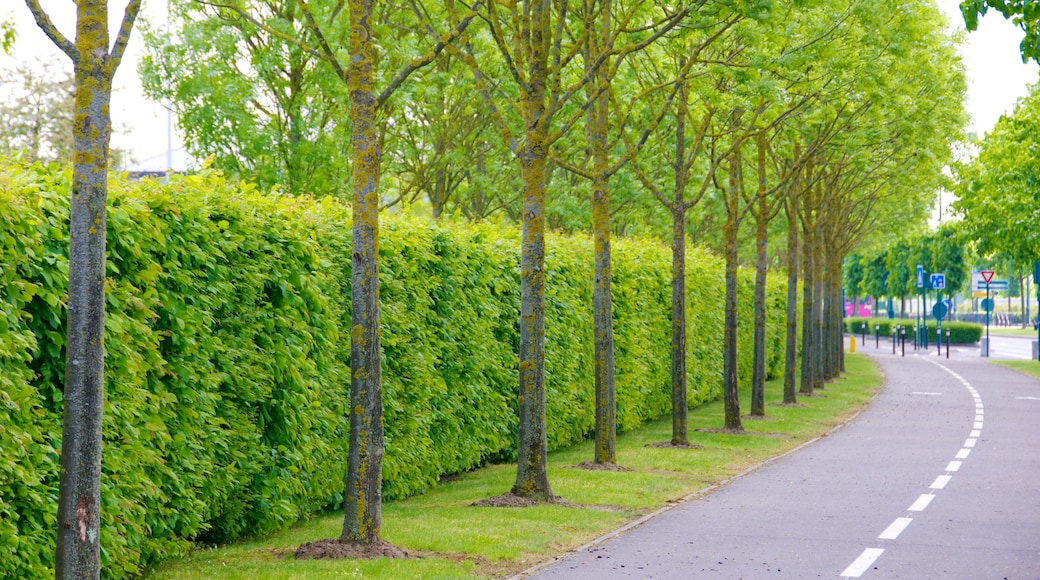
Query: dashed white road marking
point(892, 532)
point(863, 563)
point(926, 394)
point(921, 503)
point(895, 528)
point(1027, 398)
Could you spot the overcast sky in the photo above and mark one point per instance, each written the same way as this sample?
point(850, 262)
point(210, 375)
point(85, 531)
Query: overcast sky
point(996, 75)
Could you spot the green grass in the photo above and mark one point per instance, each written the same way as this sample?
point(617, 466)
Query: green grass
point(456, 540)
point(1009, 331)
point(1029, 367)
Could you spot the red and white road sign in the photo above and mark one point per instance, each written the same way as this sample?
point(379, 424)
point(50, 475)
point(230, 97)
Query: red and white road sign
point(987, 275)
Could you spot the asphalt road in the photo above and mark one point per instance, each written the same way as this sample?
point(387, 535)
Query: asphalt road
point(938, 478)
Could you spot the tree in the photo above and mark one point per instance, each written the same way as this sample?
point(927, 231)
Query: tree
point(263, 106)
point(997, 190)
point(362, 519)
point(79, 493)
point(1023, 13)
point(36, 112)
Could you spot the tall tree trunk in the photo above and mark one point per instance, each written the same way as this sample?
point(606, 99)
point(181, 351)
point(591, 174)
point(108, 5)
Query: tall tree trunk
point(758, 375)
point(808, 309)
point(78, 547)
point(363, 519)
point(791, 345)
point(680, 422)
point(79, 495)
point(729, 347)
point(603, 331)
point(818, 308)
point(827, 279)
point(838, 322)
point(532, 478)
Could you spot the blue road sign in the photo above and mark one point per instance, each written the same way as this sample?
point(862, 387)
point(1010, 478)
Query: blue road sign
point(938, 281)
point(920, 276)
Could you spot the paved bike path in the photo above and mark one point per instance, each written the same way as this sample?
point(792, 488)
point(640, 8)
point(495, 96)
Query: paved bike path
point(939, 477)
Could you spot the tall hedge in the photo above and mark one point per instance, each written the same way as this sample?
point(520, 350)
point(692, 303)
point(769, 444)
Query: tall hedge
point(226, 356)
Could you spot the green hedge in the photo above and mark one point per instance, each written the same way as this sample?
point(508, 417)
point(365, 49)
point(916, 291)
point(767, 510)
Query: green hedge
point(226, 366)
point(960, 332)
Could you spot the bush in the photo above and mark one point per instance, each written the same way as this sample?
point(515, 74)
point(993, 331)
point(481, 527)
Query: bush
point(227, 378)
point(960, 332)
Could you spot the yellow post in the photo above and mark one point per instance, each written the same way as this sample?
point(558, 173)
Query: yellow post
point(852, 344)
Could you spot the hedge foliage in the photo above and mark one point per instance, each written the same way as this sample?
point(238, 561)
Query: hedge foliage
point(226, 363)
point(960, 332)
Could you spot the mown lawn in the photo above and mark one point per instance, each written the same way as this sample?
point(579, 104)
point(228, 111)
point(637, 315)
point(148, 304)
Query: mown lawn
point(455, 540)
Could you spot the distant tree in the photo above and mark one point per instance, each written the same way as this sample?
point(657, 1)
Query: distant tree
point(95, 62)
point(36, 107)
point(1023, 13)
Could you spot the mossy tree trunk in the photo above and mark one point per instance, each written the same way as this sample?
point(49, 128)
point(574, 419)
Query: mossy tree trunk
point(731, 398)
point(791, 323)
point(597, 124)
point(78, 548)
point(362, 521)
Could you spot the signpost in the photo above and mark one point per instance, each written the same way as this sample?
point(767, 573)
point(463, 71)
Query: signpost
point(939, 310)
point(987, 305)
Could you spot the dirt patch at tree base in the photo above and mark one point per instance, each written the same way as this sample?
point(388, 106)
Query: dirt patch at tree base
point(724, 431)
point(593, 466)
point(792, 405)
point(511, 499)
point(670, 445)
point(335, 550)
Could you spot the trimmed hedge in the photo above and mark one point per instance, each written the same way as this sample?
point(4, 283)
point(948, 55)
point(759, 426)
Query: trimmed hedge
point(226, 363)
point(960, 332)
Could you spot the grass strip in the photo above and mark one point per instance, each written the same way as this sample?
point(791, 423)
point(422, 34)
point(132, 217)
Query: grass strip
point(1029, 367)
point(456, 540)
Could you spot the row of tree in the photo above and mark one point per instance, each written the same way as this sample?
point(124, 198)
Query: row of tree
point(838, 116)
point(893, 272)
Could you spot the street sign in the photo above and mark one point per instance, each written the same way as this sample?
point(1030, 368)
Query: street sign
point(920, 276)
point(938, 281)
point(987, 275)
point(995, 286)
point(987, 305)
point(939, 310)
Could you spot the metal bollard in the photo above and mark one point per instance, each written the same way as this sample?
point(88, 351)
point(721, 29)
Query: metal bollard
point(903, 332)
point(877, 334)
point(947, 343)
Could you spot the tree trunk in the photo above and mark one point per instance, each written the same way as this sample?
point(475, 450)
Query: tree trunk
point(79, 496)
point(532, 479)
point(758, 376)
point(818, 308)
point(603, 331)
point(808, 319)
point(729, 348)
point(362, 521)
point(680, 421)
point(791, 345)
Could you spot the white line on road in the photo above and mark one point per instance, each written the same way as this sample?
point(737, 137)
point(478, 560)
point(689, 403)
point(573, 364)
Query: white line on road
point(922, 502)
point(975, 433)
point(963, 453)
point(926, 394)
point(941, 481)
point(1027, 398)
point(863, 563)
point(970, 442)
point(895, 528)
point(953, 466)
point(978, 425)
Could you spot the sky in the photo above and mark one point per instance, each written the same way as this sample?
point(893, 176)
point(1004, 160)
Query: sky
point(996, 75)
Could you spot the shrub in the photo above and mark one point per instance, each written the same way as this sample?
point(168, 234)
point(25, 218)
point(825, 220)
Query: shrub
point(227, 378)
